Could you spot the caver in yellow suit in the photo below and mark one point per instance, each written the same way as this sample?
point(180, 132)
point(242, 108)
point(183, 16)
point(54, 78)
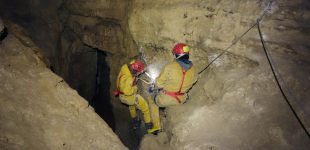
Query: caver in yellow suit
point(127, 90)
point(174, 81)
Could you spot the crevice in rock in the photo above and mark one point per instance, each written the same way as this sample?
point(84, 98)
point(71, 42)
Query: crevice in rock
point(103, 40)
point(102, 98)
point(86, 69)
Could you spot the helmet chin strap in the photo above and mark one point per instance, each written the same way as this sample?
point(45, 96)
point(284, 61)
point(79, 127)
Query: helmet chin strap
point(132, 71)
point(138, 73)
point(178, 56)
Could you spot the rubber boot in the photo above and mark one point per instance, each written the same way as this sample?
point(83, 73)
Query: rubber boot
point(155, 120)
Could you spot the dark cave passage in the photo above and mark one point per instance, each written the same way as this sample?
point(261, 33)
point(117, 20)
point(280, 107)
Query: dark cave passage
point(102, 100)
point(89, 74)
point(81, 63)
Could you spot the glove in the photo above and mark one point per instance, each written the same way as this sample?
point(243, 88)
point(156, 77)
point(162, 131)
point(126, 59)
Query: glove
point(135, 123)
point(151, 88)
point(148, 126)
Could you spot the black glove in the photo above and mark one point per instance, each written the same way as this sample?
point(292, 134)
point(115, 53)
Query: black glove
point(148, 126)
point(151, 88)
point(136, 123)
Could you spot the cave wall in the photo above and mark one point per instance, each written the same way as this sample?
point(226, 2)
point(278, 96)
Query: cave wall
point(40, 19)
point(66, 28)
point(242, 106)
point(71, 35)
point(236, 103)
point(102, 25)
point(38, 110)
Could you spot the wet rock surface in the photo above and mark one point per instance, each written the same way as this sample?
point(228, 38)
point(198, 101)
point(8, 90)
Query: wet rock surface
point(38, 110)
point(236, 103)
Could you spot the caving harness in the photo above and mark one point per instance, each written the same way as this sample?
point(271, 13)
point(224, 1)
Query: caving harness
point(117, 92)
point(178, 93)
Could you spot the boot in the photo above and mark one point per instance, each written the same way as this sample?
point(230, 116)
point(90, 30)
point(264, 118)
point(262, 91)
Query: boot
point(154, 131)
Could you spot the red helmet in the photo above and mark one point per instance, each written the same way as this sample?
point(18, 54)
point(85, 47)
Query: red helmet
point(180, 49)
point(137, 65)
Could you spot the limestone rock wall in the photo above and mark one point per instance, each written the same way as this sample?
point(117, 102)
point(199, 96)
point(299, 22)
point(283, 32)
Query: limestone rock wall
point(68, 30)
point(236, 103)
point(101, 25)
point(38, 110)
point(40, 19)
point(71, 35)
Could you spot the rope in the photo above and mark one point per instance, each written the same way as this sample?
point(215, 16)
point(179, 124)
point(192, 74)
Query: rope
point(238, 39)
point(269, 61)
point(285, 87)
point(225, 50)
point(277, 80)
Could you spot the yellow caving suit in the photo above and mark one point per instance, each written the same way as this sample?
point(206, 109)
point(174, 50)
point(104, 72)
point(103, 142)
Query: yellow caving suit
point(128, 94)
point(170, 80)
